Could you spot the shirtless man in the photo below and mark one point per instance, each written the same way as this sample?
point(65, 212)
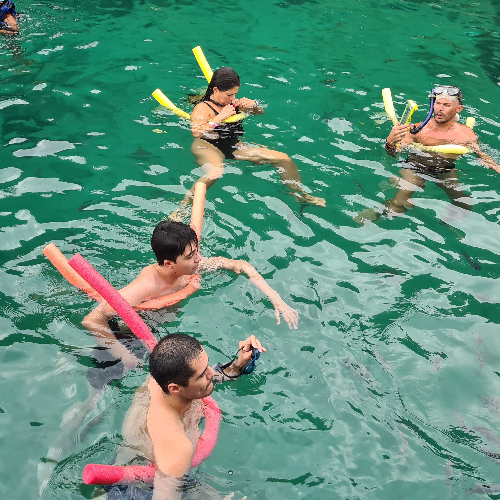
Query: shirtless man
point(8, 23)
point(162, 422)
point(443, 128)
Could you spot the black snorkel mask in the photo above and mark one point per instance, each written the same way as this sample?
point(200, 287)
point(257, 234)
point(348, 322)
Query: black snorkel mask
point(415, 130)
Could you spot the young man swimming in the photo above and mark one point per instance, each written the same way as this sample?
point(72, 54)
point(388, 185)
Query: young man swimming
point(162, 423)
point(175, 246)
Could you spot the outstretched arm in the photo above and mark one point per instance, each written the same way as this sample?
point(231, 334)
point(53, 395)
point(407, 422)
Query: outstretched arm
point(242, 266)
point(486, 160)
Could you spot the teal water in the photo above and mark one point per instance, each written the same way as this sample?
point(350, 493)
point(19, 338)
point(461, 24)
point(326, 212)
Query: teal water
point(385, 390)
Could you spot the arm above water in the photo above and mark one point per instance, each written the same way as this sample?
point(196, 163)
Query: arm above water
point(290, 315)
point(173, 455)
point(202, 118)
point(486, 160)
point(249, 106)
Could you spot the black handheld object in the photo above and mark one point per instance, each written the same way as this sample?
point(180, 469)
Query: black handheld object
point(245, 370)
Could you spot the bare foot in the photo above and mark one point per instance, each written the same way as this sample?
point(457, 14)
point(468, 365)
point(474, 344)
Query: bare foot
point(307, 198)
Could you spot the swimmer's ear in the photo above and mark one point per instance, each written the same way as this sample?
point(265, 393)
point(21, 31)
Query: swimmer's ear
point(173, 388)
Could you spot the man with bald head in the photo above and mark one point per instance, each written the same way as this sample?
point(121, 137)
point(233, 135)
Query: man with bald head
point(418, 166)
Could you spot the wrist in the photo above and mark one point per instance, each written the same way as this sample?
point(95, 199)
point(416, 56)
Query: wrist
point(388, 145)
point(212, 123)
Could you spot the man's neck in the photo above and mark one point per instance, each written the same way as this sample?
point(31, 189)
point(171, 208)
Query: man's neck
point(177, 404)
point(443, 127)
point(167, 275)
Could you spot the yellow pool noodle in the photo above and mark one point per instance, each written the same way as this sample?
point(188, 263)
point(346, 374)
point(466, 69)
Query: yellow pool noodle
point(202, 61)
point(470, 122)
point(454, 149)
point(165, 101)
point(389, 105)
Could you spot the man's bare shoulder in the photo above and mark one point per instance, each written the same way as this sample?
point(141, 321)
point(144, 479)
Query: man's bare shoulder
point(465, 134)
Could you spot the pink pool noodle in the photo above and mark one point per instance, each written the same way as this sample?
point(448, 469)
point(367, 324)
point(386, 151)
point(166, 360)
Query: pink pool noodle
point(200, 191)
point(114, 299)
point(60, 262)
point(113, 474)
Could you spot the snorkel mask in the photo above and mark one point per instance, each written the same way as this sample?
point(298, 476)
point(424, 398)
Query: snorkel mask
point(448, 92)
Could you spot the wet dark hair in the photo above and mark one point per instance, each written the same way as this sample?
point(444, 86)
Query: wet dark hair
point(170, 361)
point(170, 239)
point(224, 78)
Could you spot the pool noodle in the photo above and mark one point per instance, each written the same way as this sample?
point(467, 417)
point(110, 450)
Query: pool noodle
point(202, 61)
point(389, 105)
point(172, 298)
point(165, 101)
point(113, 474)
point(454, 149)
point(114, 299)
point(200, 190)
point(60, 262)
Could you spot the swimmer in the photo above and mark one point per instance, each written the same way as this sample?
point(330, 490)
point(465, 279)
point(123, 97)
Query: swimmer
point(162, 424)
point(8, 23)
point(214, 142)
point(443, 128)
point(176, 249)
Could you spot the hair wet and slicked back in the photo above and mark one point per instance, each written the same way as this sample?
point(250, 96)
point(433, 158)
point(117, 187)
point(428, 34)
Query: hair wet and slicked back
point(224, 78)
point(170, 361)
point(170, 239)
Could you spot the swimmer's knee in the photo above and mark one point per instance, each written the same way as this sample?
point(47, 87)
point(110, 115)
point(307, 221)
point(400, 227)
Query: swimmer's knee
point(213, 171)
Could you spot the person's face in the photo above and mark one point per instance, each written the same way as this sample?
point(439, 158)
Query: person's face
point(200, 384)
point(226, 97)
point(445, 110)
point(187, 263)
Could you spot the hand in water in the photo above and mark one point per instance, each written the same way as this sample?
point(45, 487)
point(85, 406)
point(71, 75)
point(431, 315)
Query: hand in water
point(290, 315)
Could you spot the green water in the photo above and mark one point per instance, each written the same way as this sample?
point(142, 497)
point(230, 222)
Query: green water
point(377, 395)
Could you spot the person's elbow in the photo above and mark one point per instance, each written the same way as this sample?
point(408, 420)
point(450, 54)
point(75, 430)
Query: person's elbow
point(88, 322)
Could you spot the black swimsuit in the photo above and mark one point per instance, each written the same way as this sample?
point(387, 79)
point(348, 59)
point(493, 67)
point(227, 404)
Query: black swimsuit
point(229, 135)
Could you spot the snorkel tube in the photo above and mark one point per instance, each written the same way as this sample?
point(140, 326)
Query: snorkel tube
point(415, 130)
